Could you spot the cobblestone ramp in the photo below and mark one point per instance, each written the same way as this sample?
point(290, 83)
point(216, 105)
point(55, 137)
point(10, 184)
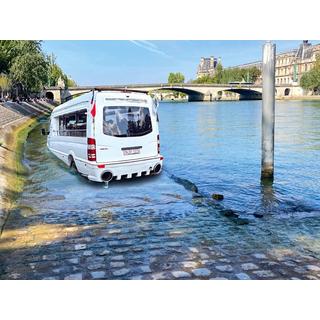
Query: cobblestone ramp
point(171, 236)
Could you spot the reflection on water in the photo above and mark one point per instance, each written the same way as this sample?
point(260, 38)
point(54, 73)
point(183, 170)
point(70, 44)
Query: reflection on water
point(268, 200)
point(215, 145)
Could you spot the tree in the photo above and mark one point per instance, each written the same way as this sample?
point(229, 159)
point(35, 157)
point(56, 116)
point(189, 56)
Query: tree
point(177, 77)
point(231, 75)
point(218, 73)
point(70, 82)
point(55, 73)
point(204, 79)
point(311, 79)
point(255, 73)
point(30, 71)
point(9, 49)
point(27, 68)
point(4, 84)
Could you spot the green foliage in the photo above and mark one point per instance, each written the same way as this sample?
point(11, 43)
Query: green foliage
point(70, 83)
point(219, 73)
point(55, 73)
point(4, 82)
point(204, 79)
point(30, 70)
point(9, 49)
point(176, 77)
point(311, 79)
point(225, 76)
point(27, 68)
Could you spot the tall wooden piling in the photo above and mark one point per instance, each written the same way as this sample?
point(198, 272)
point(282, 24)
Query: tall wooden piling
point(268, 110)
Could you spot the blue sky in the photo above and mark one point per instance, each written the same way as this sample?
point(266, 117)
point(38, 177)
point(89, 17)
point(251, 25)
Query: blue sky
point(124, 62)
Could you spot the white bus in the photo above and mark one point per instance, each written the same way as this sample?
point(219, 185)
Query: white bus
point(107, 135)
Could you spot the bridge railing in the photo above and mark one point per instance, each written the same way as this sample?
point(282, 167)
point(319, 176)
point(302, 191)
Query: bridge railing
point(167, 85)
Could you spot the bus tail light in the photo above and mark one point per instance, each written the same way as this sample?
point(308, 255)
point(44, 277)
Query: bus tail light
point(158, 138)
point(92, 152)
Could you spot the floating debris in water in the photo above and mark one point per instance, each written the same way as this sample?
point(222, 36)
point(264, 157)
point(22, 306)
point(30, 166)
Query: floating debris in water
point(258, 215)
point(196, 195)
point(230, 213)
point(185, 183)
point(217, 196)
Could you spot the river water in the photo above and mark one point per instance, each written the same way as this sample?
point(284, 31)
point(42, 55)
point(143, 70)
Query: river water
point(216, 146)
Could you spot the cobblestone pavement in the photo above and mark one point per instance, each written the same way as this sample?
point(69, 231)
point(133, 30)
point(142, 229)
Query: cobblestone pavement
point(68, 228)
point(140, 243)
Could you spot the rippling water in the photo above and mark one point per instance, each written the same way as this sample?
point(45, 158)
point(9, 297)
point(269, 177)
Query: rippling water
point(215, 145)
point(218, 146)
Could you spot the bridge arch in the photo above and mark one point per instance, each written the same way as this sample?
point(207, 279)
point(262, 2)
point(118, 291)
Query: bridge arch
point(246, 94)
point(49, 95)
point(193, 95)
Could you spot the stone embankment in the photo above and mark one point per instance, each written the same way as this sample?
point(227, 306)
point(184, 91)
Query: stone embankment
point(16, 121)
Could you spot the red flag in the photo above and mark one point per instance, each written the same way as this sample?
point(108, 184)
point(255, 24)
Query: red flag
point(93, 110)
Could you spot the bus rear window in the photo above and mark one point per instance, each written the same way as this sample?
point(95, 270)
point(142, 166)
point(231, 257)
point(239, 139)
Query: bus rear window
point(126, 121)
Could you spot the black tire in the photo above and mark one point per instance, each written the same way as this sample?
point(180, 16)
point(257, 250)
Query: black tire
point(73, 166)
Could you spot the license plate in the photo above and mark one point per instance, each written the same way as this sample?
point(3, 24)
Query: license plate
point(129, 152)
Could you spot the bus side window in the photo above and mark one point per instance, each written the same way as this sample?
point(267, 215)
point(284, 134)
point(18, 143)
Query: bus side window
point(81, 120)
point(73, 124)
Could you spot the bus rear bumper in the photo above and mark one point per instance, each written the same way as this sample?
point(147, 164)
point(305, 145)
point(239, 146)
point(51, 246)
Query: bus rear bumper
point(126, 170)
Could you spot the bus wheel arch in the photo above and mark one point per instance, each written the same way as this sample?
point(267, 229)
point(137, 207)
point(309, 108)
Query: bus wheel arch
point(72, 163)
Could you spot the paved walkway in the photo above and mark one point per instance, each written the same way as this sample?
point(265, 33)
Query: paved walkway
point(79, 244)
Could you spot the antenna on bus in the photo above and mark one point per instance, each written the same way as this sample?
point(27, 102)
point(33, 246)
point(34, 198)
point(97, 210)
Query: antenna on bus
point(92, 95)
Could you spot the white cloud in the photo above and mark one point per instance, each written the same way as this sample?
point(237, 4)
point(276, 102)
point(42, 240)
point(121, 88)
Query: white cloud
point(149, 46)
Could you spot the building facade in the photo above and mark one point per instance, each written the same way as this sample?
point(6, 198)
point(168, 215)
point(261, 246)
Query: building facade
point(207, 67)
point(291, 65)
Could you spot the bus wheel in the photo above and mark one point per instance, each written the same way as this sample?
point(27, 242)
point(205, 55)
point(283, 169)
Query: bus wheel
point(72, 165)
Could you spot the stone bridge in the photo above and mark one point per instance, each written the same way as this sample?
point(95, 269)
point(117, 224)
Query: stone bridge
point(195, 92)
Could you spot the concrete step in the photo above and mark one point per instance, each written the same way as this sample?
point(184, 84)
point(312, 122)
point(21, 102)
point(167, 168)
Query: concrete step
point(7, 116)
point(18, 108)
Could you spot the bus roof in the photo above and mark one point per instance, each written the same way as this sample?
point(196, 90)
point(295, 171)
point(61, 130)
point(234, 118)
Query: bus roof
point(86, 98)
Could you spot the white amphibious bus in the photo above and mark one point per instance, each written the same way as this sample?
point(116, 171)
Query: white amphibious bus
point(107, 135)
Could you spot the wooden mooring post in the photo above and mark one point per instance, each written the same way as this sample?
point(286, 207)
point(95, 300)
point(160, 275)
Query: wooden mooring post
point(268, 110)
